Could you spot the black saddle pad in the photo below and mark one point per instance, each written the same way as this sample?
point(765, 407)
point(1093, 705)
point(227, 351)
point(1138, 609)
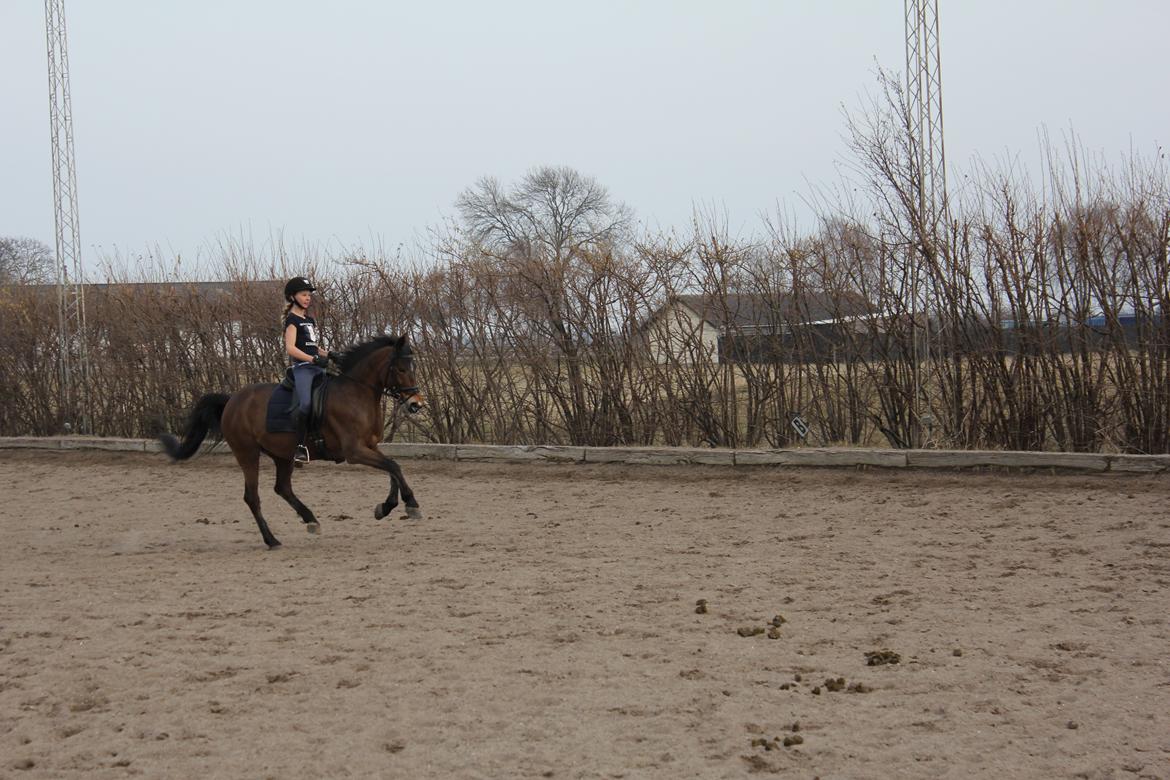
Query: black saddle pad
point(278, 418)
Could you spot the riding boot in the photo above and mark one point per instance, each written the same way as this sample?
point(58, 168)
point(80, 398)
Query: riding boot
point(301, 421)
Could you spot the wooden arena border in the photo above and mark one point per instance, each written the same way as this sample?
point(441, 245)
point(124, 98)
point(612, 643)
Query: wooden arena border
point(673, 456)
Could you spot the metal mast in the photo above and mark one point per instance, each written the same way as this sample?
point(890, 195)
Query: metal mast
point(929, 178)
point(74, 355)
point(924, 100)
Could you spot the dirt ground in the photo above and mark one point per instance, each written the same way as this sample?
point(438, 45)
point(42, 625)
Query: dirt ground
point(541, 621)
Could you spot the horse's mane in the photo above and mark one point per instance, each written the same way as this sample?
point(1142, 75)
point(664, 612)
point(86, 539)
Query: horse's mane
point(356, 353)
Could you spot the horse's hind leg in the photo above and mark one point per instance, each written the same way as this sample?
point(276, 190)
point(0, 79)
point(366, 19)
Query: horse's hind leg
point(249, 461)
point(283, 488)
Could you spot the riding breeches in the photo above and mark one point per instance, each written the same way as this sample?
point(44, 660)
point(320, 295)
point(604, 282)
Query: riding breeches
point(303, 375)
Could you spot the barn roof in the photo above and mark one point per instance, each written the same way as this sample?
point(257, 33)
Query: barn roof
point(208, 290)
point(753, 311)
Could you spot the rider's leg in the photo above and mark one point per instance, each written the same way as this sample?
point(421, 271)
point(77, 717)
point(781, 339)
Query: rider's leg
point(303, 379)
point(301, 421)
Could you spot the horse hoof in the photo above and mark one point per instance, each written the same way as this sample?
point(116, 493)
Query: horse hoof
point(313, 528)
point(414, 513)
point(379, 512)
point(274, 546)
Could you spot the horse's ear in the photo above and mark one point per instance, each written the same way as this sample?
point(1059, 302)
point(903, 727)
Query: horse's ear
point(401, 347)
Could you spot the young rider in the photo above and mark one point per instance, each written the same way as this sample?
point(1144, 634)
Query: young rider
point(308, 357)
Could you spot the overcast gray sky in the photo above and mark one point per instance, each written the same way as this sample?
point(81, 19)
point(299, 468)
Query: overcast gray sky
point(360, 121)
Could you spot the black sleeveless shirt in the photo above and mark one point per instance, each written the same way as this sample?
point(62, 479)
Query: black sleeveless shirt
point(306, 334)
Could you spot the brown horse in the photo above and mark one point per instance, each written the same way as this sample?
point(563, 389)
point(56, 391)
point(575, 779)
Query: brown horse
point(351, 427)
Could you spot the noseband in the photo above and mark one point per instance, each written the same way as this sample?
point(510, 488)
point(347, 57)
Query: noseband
point(397, 392)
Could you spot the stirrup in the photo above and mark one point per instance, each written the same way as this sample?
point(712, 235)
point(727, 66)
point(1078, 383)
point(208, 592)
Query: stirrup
point(301, 455)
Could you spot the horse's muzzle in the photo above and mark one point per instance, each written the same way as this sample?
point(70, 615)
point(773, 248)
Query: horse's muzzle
point(414, 404)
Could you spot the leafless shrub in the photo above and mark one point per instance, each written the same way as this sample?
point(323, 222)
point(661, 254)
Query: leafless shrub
point(1039, 321)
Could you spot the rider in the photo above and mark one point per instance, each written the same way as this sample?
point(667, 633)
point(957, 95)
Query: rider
point(308, 357)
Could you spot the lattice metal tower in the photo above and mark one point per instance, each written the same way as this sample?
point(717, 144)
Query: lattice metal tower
point(929, 177)
point(924, 100)
point(74, 354)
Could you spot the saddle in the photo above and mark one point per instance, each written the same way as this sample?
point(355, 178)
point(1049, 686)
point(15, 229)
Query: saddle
point(283, 402)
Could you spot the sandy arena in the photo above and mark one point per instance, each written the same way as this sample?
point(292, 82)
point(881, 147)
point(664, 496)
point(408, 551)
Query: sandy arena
point(541, 622)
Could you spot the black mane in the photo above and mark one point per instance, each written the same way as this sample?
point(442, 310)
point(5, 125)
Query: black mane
point(355, 354)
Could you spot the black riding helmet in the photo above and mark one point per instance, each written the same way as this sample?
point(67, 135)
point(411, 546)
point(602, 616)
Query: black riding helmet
point(297, 284)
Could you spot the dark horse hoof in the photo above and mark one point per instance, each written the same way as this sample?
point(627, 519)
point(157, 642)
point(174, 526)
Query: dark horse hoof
point(313, 528)
point(381, 511)
point(274, 546)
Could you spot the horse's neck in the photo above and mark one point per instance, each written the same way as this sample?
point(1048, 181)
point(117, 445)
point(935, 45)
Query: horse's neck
point(372, 370)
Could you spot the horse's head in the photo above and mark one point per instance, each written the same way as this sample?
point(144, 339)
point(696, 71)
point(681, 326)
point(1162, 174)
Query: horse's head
point(400, 382)
point(385, 364)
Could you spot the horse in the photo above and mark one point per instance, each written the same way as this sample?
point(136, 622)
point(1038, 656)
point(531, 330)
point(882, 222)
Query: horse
point(350, 427)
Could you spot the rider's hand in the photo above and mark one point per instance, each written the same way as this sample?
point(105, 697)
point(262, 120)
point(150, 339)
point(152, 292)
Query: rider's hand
point(321, 361)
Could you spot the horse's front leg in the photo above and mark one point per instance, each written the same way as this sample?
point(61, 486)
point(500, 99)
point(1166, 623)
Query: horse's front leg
point(398, 481)
point(384, 509)
point(371, 457)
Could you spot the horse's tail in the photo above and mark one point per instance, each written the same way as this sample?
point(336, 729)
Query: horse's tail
point(204, 417)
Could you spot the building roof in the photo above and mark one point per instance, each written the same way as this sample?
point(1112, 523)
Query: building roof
point(209, 290)
point(759, 312)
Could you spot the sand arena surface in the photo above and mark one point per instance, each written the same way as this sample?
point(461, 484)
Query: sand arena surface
point(540, 622)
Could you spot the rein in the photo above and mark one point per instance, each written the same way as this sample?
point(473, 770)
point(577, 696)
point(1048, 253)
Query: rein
point(399, 394)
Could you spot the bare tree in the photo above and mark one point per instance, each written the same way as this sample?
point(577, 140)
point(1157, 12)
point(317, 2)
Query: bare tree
point(542, 234)
point(25, 261)
point(553, 212)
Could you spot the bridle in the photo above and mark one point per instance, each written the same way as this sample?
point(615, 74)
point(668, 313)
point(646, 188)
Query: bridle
point(401, 394)
point(397, 392)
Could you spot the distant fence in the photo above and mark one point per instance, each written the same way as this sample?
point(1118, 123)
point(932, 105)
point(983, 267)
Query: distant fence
point(841, 457)
point(1029, 322)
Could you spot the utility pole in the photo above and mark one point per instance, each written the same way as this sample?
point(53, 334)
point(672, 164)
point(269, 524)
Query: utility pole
point(929, 175)
point(924, 99)
point(73, 351)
